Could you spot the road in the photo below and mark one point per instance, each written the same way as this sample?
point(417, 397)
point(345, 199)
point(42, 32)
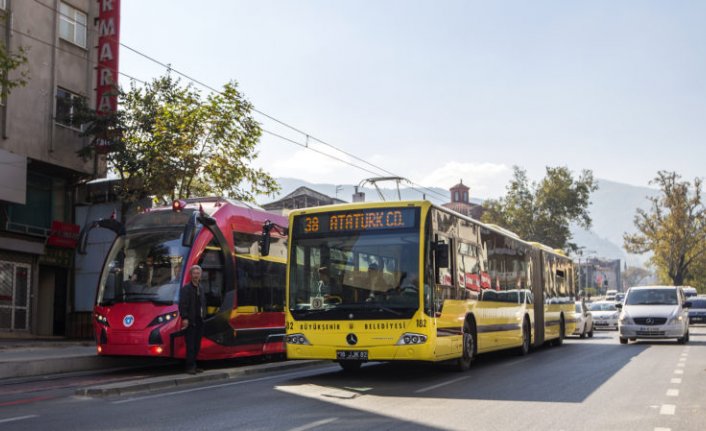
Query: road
point(591, 384)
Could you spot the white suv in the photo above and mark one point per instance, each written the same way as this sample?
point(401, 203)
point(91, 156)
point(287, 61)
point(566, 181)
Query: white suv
point(654, 312)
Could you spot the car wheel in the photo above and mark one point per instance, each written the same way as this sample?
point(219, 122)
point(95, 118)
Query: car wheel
point(562, 328)
point(590, 333)
point(623, 340)
point(684, 339)
point(583, 332)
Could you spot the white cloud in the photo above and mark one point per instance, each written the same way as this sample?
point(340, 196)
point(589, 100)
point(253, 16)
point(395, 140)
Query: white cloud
point(486, 180)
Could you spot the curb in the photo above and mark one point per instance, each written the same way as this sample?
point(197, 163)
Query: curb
point(174, 381)
point(65, 364)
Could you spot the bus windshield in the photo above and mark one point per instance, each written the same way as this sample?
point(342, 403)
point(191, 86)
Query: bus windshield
point(143, 267)
point(356, 275)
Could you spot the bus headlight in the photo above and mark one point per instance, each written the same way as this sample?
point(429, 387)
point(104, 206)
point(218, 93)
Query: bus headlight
point(101, 319)
point(297, 339)
point(411, 338)
point(164, 318)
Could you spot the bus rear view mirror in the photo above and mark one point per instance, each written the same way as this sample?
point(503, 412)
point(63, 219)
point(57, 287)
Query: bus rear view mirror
point(266, 238)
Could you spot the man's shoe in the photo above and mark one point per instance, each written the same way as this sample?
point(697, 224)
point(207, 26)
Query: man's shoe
point(191, 371)
point(199, 370)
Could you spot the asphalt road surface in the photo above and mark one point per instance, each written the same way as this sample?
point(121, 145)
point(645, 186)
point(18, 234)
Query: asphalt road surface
point(589, 384)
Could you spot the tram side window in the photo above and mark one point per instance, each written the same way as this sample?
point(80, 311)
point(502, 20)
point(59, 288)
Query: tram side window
point(260, 284)
point(212, 279)
point(273, 281)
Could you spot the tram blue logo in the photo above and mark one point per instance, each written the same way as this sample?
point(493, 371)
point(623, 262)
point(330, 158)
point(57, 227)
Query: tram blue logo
point(128, 320)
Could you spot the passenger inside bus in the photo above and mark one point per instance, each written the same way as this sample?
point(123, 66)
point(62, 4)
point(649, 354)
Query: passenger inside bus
point(329, 287)
point(376, 282)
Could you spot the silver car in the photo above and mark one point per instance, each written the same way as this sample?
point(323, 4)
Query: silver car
point(605, 314)
point(654, 312)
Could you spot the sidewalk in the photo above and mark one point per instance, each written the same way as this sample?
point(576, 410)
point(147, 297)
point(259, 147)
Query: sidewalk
point(37, 357)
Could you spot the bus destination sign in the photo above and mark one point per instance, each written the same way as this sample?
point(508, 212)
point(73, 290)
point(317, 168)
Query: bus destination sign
point(357, 221)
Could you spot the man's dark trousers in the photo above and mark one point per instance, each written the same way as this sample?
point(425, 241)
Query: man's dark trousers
point(192, 337)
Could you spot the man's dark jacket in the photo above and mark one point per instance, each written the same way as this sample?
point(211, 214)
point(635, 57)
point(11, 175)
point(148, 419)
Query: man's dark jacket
point(189, 303)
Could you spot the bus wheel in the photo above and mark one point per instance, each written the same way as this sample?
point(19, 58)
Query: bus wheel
point(526, 338)
point(350, 366)
point(469, 347)
point(559, 341)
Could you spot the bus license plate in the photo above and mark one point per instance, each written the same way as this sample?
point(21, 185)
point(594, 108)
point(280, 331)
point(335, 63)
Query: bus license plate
point(358, 355)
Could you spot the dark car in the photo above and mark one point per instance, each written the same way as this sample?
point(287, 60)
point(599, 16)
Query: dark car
point(697, 311)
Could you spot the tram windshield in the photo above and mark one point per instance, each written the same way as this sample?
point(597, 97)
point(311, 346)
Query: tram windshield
point(144, 266)
point(354, 274)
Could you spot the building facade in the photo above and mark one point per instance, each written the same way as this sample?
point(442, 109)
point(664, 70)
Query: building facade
point(41, 170)
point(302, 197)
point(461, 202)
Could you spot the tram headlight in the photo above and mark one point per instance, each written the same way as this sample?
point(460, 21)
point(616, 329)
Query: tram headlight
point(297, 339)
point(164, 318)
point(411, 338)
point(101, 319)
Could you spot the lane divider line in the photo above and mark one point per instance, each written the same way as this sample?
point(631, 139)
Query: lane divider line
point(672, 392)
point(667, 409)
point(314, 424)
point(675, 380)
point(429, 388)
point(18, 418)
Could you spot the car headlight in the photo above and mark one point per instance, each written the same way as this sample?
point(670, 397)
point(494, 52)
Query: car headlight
point(625, 319)
point(164, 318)
point(675, 317)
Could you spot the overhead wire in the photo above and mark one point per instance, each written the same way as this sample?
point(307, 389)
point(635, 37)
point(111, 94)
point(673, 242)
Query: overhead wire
point(308, 136)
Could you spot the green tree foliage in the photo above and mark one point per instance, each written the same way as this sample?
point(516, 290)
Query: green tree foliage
point(10, 62)
point(673, 230)
point(543, 211)
point(169, 141)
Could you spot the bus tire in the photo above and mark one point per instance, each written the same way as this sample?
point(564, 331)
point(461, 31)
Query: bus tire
point(350, 366)
point(469, 347)
point(562, 328)
point(524, 349)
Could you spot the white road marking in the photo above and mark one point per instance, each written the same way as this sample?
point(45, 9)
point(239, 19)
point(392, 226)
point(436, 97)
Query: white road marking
point(663, 429)
point(185, 391)
point(682, 359)
point(672, 392)
point(314, 424)
point(18, 418)
point(681, 364)
point(678, 371)
point(667, 409)
point(676, 380)
point(429, 388)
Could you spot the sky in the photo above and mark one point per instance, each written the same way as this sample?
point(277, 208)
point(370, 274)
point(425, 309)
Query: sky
point(438, 91)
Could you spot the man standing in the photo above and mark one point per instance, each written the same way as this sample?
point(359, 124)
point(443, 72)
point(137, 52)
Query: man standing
point(192, 301)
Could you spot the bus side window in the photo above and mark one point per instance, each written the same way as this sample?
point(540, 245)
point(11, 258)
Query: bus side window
point(248, 281)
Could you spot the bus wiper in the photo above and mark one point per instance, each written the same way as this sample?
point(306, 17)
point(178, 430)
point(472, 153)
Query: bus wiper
point(380, 307)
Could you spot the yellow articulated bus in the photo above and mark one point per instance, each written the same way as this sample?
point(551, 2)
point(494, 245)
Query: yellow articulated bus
point(412, 281)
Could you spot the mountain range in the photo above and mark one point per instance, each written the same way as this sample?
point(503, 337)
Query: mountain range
point(612, 209)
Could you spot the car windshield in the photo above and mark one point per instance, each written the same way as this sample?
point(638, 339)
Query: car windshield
point(143, 267)
point(602, 306)
point(652, 297)
point(698, 303)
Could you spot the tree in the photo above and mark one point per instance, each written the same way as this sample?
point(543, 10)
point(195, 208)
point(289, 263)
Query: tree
point(543, 211)
point(168, 141)
point(636, 276)
point(10, 62)
point(674, 230)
